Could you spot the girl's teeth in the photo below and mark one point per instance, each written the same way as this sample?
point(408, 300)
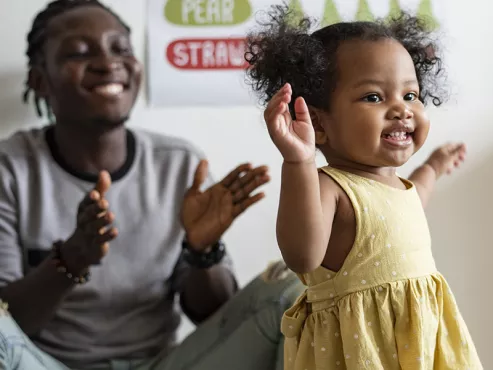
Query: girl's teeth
point(398, 135)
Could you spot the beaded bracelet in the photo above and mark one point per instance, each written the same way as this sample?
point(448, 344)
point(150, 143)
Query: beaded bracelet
point(203, 260)
point(62, 268)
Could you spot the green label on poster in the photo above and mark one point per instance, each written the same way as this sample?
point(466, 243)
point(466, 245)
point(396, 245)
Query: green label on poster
point(198, 13)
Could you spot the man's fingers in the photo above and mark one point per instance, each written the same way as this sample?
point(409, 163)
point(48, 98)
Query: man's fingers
point(102, 186)
point(90, 198)
point(253, 183)
point(107, 236)
point(92, 212)
point(233, 175)
point(241, 180)
point(241, 207)
point(99, 225)
point(105, 249)
point(102, 245)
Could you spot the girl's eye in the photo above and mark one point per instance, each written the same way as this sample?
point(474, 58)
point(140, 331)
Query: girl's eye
point(372, 98)
point(411, 96)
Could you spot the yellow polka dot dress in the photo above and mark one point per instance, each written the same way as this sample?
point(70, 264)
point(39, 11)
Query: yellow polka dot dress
point(388, 307)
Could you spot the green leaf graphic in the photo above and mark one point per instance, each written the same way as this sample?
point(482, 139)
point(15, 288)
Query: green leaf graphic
point(364, 12)
point(425, 12)
point(395, 10)
point(199, 13)
point(331, 15)
point(297, 13)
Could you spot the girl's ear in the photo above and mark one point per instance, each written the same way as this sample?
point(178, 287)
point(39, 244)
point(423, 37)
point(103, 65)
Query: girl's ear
point(316, 117)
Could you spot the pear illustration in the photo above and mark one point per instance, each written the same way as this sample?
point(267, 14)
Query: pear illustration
point(364, 12)
point(331, 15)
point(425, 12)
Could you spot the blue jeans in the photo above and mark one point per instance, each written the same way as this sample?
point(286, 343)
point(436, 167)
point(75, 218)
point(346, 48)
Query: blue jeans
point(243, 335)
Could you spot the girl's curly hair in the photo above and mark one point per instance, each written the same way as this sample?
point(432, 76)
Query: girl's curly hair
point(284, 51)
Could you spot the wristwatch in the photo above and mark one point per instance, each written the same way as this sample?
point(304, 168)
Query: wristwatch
point(203, 260)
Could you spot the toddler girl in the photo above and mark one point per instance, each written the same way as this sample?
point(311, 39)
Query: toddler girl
point(354, 231)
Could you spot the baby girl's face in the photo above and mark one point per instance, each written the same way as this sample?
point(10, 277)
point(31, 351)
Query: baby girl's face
point(376, 118)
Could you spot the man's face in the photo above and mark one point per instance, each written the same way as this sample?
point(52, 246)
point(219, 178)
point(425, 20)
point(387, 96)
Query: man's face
point(91, 74)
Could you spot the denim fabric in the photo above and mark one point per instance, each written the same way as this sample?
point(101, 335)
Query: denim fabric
point(243, 335)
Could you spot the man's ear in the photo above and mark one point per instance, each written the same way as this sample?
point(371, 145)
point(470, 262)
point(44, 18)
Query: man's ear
point(316, 117)
point(37, 82)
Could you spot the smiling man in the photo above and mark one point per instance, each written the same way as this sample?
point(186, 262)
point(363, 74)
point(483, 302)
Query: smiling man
point(103, 229)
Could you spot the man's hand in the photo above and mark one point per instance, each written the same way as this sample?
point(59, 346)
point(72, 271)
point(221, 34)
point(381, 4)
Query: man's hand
point(207, 215)
point(90, 241)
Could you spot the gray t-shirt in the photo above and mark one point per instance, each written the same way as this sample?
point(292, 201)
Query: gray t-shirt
point(130, 306)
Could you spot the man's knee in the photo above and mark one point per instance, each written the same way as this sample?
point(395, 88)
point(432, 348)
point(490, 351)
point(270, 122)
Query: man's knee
point(282, 287)
point(10, 333)
point(264, 300)
point(277, 285)
point(16, 350)
point(11, 337)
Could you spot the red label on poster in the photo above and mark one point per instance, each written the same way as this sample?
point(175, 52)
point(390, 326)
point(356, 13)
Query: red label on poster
point(209, 54)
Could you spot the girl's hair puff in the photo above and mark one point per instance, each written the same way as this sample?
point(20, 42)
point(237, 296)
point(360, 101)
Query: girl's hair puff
point(283, 51)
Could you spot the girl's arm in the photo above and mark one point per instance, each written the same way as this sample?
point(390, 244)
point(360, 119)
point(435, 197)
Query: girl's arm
point(442, 160)
point(303, 230)
point(304, 220)
point(424, 178)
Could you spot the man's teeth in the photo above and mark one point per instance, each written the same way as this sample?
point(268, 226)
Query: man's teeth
point(398, 135)
point(111, 89)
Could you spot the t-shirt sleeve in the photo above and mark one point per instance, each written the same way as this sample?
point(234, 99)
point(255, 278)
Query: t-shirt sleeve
point(10, 249)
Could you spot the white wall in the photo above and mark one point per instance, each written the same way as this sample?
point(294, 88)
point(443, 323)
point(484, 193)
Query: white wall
point(460, 214)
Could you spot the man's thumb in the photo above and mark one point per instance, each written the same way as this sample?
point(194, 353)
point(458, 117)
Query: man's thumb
point(200, 175)
point(104, 182)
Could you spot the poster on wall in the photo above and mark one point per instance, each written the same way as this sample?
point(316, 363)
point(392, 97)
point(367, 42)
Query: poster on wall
point(195, 48)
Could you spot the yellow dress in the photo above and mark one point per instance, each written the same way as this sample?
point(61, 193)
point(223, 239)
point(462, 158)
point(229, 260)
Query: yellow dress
point(388, 307)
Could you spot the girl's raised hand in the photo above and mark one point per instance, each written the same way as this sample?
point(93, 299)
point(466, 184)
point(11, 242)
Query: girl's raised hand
point(295, 139)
